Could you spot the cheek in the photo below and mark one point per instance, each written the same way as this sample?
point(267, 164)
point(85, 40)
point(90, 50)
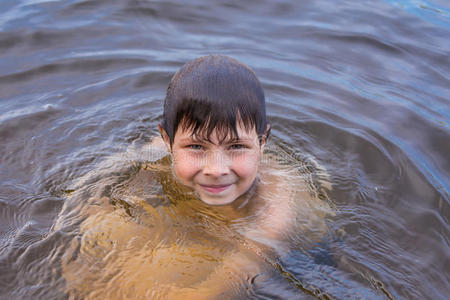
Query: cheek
point(247, 167)
point(184, 167)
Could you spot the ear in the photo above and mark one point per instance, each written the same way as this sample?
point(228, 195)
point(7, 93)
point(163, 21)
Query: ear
point(265, 137)
point(165, 138)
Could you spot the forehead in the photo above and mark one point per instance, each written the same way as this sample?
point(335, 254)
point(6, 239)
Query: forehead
point(218, 136)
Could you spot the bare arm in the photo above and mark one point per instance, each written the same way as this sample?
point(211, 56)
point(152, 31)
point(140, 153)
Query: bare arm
point(236, 269)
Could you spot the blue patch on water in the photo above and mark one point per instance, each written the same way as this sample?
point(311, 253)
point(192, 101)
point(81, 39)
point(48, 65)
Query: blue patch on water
point(426, 10)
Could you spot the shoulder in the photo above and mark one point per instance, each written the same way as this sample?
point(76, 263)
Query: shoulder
point(292, 198)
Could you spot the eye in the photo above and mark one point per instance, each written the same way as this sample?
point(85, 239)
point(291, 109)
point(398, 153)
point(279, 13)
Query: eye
point(195, 147)
point(237, 147)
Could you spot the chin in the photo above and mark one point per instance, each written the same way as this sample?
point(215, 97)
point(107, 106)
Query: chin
point(216, 201)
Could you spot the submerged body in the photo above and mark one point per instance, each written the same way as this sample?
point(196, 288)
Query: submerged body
point(153, 237)
point(205, 220)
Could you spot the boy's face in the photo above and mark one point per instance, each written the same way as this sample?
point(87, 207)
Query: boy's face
point(219, 172)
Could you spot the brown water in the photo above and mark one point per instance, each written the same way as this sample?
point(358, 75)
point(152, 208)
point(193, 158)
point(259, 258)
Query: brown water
point(357, 94)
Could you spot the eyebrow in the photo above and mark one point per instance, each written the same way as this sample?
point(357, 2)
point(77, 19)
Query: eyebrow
point(190, 139)
point(228, 141)
point(235, 140)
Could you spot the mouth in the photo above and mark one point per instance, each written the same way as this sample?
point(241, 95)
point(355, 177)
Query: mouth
point(215, 189)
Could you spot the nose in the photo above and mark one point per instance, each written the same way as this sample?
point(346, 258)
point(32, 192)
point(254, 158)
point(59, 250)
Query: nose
point(216, 164)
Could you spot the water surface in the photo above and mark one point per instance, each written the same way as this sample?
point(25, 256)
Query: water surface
point(360, 88)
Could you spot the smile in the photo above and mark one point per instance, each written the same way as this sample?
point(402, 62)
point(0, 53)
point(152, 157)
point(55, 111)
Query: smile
point(215, 189)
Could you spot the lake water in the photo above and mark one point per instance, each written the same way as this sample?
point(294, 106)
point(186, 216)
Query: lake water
point(359, 90)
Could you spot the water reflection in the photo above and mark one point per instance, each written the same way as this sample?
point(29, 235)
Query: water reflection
point(436, 12)
point(359, 89)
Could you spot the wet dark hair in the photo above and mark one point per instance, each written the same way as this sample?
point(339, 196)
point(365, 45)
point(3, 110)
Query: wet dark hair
point(214, 92)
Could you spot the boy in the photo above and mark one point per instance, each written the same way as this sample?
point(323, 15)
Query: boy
point(215, 129)
point(214, 126)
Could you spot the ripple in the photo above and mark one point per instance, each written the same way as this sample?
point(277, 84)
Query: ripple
point(359, 89)
point(429, 11)
point(71, 66)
